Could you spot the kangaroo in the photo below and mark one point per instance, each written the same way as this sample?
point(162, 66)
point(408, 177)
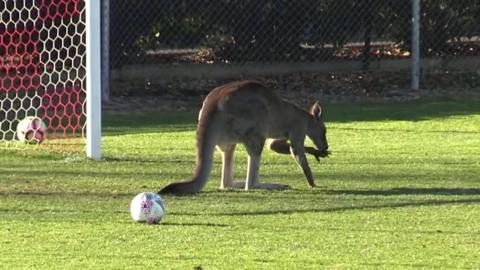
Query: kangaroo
point(250, 113)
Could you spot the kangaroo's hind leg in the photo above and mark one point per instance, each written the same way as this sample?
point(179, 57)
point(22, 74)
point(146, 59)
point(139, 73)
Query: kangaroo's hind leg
point(254, 148)
point(228, 156)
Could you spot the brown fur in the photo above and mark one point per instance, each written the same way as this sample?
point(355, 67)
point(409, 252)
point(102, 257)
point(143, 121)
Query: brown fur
point(248, 112)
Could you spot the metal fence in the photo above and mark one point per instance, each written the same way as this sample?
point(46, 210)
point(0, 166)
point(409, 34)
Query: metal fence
point(174, 39)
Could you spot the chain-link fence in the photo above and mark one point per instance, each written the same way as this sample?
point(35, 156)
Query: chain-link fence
point(213, 38)
point(225, 31)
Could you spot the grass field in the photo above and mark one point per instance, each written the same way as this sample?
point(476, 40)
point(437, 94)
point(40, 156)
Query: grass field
point(400, 191)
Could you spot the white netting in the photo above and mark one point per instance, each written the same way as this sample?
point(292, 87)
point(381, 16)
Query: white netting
point(42, 67)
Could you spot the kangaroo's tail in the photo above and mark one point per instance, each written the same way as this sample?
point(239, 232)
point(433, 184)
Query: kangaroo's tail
point(205, 150)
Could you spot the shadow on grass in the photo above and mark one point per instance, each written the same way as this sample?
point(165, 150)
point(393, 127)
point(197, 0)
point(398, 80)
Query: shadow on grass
point(67, 193)
point(416, 110)
point(409, 191)
point(405, 231)
point(26, 174)
point(118, 123)
point(193, 224)
point(140, 122)
point(359, 207)
point(408, 130)
point(338, 209)
point(159, 160)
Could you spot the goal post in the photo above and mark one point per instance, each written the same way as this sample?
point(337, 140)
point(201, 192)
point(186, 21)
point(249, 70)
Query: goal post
point(94, 79)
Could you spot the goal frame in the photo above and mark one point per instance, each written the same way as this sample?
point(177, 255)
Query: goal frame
point(93, 79)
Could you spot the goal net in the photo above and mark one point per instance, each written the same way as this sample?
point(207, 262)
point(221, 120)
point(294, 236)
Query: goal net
point(43, 69)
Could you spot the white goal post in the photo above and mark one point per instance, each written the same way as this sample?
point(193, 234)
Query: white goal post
point(94, 79)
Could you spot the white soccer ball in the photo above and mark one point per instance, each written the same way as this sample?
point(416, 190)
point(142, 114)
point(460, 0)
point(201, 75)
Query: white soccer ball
point(31, 129)
point(147, 207)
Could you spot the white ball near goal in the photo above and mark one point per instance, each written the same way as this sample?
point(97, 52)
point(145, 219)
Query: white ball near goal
point(147, 207)
point(31, 129)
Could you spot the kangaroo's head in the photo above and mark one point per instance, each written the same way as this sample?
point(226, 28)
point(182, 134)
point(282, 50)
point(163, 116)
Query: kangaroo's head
point(317, 132)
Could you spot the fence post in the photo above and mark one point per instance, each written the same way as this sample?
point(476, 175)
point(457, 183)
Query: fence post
point(415, 44)
point(105, 51)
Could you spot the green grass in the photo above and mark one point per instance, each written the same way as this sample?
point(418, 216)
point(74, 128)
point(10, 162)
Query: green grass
point(400, 191)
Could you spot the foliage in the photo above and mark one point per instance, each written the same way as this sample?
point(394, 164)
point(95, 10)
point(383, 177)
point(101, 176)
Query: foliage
point(277, 30)
point(443, 24)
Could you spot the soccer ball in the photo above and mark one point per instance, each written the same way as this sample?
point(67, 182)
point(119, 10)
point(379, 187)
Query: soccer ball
point(31, 130)
point(147, 207)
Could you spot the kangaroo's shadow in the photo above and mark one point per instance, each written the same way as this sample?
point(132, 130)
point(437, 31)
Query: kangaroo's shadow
point(408, 191)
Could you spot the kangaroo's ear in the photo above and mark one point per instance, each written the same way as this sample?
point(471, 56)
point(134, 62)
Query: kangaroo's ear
point(316, 111)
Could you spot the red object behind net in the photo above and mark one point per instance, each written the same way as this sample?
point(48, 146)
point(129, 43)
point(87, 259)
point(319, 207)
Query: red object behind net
point(42, 65)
